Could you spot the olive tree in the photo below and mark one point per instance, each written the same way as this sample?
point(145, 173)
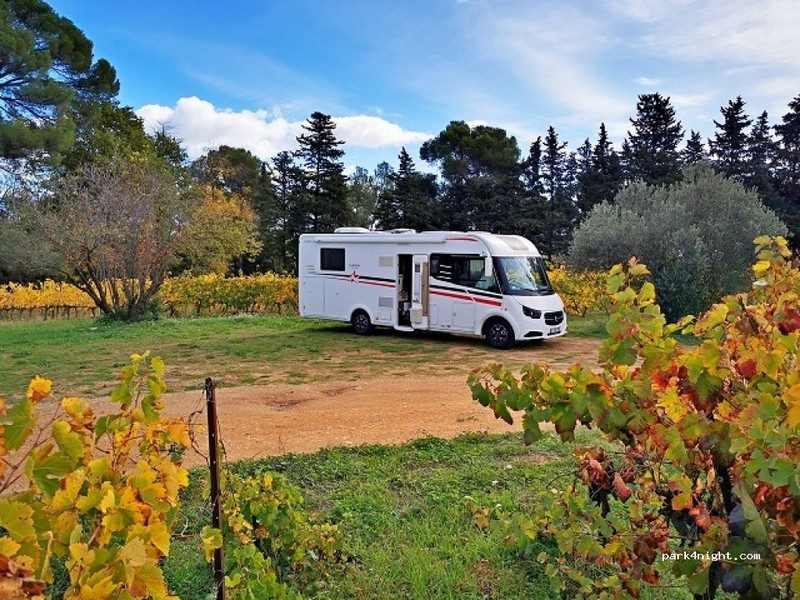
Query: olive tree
point(696, 236)
point(116, 228)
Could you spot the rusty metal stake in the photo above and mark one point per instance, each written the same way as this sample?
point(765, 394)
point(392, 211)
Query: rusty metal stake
point(216, 498)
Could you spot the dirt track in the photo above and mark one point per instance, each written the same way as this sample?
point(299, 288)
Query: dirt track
point(263, 420)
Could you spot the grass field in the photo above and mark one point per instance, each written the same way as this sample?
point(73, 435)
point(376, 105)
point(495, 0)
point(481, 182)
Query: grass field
point(82, 354)
point(404, 517)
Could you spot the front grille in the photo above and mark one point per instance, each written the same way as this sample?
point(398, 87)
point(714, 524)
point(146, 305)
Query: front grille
point(554, 318)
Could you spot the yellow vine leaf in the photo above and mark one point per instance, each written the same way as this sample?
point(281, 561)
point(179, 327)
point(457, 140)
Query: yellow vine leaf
point(212, 539)
point(101, 590)
point(792, 399)
point(39, 388)
point(673, 405)
point(78, 409)
point(8, 547)
point(179, 433)
point(159, 537)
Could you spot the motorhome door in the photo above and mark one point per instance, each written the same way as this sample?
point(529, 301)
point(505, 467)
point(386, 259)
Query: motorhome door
point(419, 292)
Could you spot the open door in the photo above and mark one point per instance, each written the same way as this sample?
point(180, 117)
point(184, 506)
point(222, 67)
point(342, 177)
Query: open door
point(419, 292)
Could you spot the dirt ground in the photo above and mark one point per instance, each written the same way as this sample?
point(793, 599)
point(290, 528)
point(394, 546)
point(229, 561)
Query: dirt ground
point(265, 420)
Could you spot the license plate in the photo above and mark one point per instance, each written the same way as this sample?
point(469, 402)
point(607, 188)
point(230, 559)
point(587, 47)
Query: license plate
point(554, 330)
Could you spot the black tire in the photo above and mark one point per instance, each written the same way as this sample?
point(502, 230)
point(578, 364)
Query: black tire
point(361, 322)
point(499, 334)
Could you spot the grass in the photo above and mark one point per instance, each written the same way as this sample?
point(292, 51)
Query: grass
point(81, 354)
point(403, 515)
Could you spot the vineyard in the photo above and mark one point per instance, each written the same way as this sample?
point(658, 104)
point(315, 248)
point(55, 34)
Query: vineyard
point(206, 295)
point(179, 296)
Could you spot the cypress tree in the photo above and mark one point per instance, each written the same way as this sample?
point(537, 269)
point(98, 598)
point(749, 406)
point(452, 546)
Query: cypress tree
point(583, 170)
point(651, 153)
point(729, 145)
point(320, 154)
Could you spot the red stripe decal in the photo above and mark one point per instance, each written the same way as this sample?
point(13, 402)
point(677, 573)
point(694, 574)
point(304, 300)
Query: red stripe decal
point(466, 297)
point(388, 285)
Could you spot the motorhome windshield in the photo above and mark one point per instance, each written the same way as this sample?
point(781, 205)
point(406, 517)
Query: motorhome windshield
point(523, 276)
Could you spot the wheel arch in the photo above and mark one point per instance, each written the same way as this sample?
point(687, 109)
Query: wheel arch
point(493, 316)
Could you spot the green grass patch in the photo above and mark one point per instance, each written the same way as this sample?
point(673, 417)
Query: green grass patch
point(404, 518)
point(83, 355)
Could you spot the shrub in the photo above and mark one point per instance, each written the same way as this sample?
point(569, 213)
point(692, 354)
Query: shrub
point(704, 444)
point(272, 545)
point(694, 236)
point(99, 493)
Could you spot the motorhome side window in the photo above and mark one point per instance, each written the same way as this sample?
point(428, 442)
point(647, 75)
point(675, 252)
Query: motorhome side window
point(468, 271)
point(331, 259)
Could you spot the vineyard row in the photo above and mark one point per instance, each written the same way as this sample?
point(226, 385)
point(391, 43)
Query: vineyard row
point(582, 292)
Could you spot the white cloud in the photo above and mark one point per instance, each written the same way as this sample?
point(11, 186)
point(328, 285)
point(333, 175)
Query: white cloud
point(368, 131)
point(728, 30)
point(647, 81)
point(690, 100)
point(550, 52)
point(202, 126)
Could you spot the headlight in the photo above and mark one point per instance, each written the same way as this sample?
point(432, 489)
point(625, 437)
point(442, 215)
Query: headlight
point(531, 312)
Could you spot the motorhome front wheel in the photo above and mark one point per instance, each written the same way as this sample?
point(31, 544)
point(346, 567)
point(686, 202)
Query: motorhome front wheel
point(499, 334)
point(361, 323)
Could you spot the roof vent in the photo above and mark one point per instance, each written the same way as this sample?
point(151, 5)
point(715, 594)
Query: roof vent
point(402, 230)
point(351, 230)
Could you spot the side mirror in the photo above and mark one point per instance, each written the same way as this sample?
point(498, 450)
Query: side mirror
point(489, 268)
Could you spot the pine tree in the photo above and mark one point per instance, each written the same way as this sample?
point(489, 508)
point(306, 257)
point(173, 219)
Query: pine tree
point(729, 145)
point(326, 182)
point(46, 64)
point(788, 166)
point(533, 207)
point(652, 150)
point(558, 171)
point(285, 217)
point(760, 154)
point(695, 151)
point(362, 195)
point(480, 174)
point(601, 178)
point(582, 175)
point(410, 199)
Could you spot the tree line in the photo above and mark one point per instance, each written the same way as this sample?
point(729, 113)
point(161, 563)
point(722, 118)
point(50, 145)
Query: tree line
point(485, 182)
point(62, 128)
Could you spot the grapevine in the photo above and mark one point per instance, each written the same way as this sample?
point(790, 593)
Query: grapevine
point(704, 444)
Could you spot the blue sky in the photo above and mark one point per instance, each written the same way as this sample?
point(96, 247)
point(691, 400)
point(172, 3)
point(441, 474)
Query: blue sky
point(247, 72)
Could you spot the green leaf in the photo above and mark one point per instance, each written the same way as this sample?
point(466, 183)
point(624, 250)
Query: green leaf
point(755, 526)
point(698, 583)
point(48, 472)
point(18, 423)
point(795, 584)
point(100, 427)
point(16, 518)
point(69, 442)
point(212, 539)
point(530, 426)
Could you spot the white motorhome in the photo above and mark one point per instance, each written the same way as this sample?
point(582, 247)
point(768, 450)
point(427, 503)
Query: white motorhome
point(473, 283)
